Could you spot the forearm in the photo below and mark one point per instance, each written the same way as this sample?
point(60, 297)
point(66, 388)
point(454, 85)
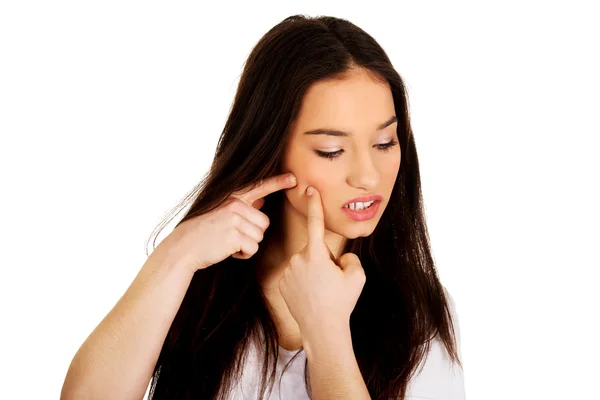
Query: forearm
point(119, 356)
point(334, 372)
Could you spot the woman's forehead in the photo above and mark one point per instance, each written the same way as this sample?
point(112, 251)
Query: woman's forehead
point(354, 103)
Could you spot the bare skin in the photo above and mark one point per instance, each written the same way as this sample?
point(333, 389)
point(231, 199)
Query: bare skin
point(116, 361)
point(357, 105)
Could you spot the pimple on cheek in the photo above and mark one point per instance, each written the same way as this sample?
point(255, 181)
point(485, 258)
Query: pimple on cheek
point(298, 192)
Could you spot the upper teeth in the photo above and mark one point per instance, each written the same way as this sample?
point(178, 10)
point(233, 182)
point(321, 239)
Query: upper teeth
point(359, 205)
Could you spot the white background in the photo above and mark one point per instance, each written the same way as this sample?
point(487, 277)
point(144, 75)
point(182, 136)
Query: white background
point(110, 112)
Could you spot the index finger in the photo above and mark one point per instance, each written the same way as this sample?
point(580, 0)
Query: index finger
point(268, 186)
point(316, 223)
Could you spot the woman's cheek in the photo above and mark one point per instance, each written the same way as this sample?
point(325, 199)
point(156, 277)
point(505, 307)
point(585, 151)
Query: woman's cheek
point(297, 195)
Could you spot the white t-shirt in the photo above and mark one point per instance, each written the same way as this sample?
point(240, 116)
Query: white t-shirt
point(439, 379)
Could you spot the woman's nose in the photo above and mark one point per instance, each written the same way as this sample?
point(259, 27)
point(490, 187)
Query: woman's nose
point(363, 173)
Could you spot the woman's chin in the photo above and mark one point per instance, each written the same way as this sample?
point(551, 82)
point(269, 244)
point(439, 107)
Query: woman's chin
point(355, 230)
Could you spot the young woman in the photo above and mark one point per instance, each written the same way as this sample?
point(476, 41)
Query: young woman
point(341, 299)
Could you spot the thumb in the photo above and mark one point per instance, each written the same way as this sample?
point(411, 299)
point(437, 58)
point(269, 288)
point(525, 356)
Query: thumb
point(350, 263)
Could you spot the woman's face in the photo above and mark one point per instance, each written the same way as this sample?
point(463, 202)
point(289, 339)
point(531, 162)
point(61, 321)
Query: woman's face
point(364, 160)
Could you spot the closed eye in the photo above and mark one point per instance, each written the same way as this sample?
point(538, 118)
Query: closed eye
point(387, 146)
point(334, 154)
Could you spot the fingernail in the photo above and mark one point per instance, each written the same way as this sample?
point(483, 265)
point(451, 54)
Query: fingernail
point(309, 190)
point(292, 179)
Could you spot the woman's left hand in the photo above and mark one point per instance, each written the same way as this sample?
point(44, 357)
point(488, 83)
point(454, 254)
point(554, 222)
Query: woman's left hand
point(320, 291)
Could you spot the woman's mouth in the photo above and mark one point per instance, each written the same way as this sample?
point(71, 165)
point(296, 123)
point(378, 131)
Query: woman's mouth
point(361, 211)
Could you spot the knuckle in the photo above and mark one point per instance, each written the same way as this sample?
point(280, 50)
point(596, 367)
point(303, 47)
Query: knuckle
point(235, 236)
point(234, 204)
point(313, 218)
point(295, 259)
point(363, 277)
point(283, 180)
point(350, 258)
point(235, 219)
point(361, 272)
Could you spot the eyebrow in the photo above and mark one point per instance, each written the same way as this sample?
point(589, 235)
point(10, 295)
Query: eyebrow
point(334, 132)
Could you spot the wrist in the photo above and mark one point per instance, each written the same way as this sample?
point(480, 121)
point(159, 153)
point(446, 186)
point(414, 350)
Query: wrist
point(172, 260)
point(327, 337)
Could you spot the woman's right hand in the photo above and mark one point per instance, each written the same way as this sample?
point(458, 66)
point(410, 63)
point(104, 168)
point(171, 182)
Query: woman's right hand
point(233, 229)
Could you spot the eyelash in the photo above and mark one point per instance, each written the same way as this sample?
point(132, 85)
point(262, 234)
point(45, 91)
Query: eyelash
point(331, 155)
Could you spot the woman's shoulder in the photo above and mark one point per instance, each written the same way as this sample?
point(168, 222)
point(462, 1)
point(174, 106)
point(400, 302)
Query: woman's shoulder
point(438, 377)
point(454, 313)
point(449, 298)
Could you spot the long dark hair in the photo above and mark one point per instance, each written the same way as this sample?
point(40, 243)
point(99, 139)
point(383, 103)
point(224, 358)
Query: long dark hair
point(403, 305)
